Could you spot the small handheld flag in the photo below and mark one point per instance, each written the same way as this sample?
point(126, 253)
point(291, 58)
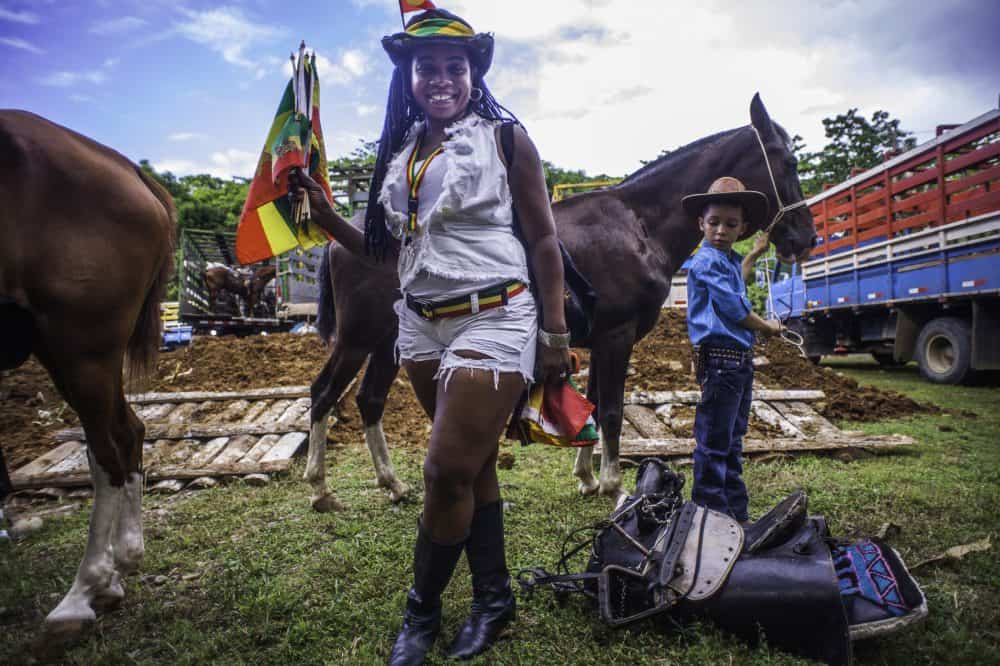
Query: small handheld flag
point(406, 6)
point(269, 224)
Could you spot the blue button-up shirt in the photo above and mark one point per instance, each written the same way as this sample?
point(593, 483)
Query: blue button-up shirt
point(717, 299)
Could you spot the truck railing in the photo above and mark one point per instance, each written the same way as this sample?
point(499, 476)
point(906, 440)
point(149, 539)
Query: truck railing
point(952, 177)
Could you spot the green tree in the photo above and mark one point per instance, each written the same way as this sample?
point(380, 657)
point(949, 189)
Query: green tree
point(855, 142)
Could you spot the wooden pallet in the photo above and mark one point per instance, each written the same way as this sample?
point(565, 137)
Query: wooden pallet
point(659, 424)
point(192, 436)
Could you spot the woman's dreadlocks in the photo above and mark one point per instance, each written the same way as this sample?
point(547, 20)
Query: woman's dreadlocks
point(401, 112)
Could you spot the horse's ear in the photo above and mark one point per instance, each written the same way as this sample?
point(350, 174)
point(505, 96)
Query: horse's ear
point(760, 118)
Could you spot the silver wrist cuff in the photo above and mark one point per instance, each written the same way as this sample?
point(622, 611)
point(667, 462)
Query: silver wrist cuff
point(553, 340)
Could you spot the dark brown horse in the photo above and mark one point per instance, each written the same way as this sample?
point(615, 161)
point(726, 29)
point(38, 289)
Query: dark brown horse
point(628, 240)
point(86, 247)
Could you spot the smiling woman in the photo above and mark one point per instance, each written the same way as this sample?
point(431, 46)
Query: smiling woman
point(442, 203)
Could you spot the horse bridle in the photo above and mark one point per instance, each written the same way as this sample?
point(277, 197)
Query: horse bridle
point(791, 337)
point(782, 208)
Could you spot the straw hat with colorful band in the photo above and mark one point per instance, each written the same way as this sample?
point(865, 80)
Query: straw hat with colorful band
point(728, 190)
point(440, 27)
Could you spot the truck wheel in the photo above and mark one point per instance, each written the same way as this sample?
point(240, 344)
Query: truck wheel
point(944, 350)
point(886, 360)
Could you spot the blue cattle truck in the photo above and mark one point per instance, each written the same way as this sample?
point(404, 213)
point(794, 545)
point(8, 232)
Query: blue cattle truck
point(908, 261)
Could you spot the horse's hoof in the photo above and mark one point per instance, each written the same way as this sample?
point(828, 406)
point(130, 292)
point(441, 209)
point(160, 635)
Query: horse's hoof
point(398, 492)
point(588, 487)
point(66, 627)
point(326, 503)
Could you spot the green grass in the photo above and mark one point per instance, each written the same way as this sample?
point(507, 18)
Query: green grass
point(277, 583)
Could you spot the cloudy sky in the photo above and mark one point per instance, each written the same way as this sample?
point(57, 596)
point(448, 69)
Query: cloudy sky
point(192, 86)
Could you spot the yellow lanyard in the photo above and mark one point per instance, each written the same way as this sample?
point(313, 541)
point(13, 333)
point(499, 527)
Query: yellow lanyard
point(414, 177)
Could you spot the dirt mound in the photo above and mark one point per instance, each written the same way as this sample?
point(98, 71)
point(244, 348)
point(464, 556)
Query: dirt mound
point(31, 407)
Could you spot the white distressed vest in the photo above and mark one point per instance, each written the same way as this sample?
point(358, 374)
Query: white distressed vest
point(467, 232)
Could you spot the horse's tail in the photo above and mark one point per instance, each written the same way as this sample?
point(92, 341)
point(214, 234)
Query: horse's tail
point(326, 315)
point(145, 339)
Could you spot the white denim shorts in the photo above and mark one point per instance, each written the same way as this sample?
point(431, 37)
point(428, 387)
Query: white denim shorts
point(506, 335)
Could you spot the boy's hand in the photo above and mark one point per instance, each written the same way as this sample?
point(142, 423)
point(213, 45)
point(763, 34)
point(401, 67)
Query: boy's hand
point(772, 327)
point(760, 244)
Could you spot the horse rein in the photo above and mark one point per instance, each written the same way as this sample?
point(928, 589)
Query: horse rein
point(782, 208)
point(786, 335)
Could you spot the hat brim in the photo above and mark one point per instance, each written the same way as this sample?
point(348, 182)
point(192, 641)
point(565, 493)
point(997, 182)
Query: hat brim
point(754, 202)
point(400, 48)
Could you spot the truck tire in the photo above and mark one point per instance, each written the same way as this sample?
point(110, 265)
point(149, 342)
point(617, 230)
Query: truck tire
point(944, 350)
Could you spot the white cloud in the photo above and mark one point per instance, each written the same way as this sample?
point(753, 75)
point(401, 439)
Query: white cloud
point(18, 43)
point(365, 109)
point(65, 79)
point(605, 83)
point(229, 163)
point(18, 17)
point(352, 65)
point(117, 26)
point(185, 136)
point(227, 31)
point(76, 97)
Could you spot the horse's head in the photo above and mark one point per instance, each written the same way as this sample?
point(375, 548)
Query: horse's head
point(765, 151)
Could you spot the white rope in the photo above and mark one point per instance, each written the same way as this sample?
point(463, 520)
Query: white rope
point(786, 335)
point(782, 208)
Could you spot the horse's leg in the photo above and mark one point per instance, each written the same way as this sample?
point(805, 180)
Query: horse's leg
point(381, 371)
point(342, 366)
point(612, 355)
point(583, 466)
point(128, 544)
point(90, 388)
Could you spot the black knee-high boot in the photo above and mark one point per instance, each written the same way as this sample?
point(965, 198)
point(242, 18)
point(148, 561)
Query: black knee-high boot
point(433, 564)
point(493, 605)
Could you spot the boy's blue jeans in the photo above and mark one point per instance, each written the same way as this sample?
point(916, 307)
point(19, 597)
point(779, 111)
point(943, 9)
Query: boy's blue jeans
point(720, 423)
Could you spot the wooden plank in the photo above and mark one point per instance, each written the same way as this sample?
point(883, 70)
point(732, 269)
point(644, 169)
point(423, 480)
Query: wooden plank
point(198, 396)
point(692, 397)
point(197, 430)
point(74, 463)
point(645, 421)
point(629, 431)
point(295, 411)
point(276, 409)
point(152, 452)
point(154, 411)
point(805, 418)
point(43, 462)
point(234, 411)
point(763, 412)
point(236, 449)
point(183, 412)
point(179, 451)
point(678, 446)
point(255, 410)
point(160, 473)
point(263, 445)
point(285, 448)
point(207, 452)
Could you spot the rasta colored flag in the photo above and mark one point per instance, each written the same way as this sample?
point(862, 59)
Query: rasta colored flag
point(414, 5)
point(268, 224)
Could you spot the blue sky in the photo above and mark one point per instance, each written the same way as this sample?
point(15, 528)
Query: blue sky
point(601, 84)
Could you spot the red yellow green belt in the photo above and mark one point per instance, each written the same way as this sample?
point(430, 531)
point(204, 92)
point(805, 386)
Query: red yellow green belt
point(487, 299)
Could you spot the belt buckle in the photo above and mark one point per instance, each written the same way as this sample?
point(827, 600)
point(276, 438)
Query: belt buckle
point(423, 308)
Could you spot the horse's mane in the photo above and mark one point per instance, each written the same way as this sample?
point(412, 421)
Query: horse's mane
point(684, 151)
point(676, 155)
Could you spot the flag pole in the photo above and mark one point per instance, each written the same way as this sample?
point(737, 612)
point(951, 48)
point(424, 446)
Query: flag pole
point(401, 19)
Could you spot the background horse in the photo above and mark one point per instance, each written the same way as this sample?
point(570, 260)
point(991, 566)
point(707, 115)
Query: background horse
point(248, 286)
point(86, 247)
point(627, 240)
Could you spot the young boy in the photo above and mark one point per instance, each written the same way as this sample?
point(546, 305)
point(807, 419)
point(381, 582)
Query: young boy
point(721, 325)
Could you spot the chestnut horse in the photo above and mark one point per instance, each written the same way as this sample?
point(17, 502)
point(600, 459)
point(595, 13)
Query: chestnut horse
point(86, 249)
point(627, 240)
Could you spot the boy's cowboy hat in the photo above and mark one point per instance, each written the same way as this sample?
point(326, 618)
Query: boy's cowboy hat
point(731, 191)
point(437, 26)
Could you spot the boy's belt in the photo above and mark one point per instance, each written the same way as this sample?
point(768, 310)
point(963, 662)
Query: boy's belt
point(492, 297)
point(731, 353)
